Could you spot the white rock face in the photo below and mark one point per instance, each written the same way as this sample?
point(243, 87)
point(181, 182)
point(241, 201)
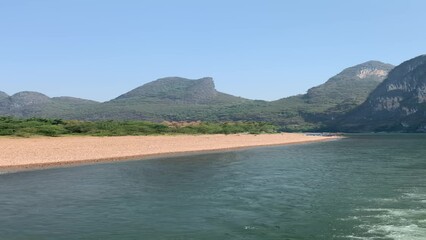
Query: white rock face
point(421, 94)
point(400, 86)
point(409, 111)
point(388, 103)
point(371, 72)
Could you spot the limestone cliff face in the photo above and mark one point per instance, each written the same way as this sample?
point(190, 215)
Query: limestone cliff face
point(397, 104)
point(372, 72)
point(203, 90)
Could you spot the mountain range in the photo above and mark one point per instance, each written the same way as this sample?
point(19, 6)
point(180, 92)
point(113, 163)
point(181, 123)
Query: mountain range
point(372, 96)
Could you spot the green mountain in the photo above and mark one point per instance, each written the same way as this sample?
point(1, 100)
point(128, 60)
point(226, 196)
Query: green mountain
point(176, 99)
point(170, 99)
point(23, 104)
point(352, 85)
point(33, 104)
point(397, 104)
point(176, 90)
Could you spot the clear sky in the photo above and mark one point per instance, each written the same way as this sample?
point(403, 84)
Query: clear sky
point(99, 49)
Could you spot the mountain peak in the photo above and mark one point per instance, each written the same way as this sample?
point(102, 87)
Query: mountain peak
point(180, 79)
point(29, 94)
point(29, 98)
point(175, 89)
point(373, 64)
point(352, 84)
point(371, 70)
point(3, 95)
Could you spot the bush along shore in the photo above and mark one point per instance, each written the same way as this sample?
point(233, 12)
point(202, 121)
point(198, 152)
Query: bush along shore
point(10, 126)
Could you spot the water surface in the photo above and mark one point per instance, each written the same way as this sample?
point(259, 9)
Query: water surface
point(363, 187)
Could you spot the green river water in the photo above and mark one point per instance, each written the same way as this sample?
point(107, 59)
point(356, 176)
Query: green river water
point(361, 187)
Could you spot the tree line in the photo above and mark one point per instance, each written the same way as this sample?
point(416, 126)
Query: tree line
point(11, 126)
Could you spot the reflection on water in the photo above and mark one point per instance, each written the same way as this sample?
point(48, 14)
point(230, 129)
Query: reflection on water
point(363, 187)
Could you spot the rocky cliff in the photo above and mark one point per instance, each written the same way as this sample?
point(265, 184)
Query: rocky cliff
point(397, 104)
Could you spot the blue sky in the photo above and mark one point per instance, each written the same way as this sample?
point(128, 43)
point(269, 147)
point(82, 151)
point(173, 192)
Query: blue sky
point(99, 49)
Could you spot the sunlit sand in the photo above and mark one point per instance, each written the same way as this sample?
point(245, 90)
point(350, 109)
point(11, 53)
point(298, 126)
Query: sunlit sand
point(58, 151)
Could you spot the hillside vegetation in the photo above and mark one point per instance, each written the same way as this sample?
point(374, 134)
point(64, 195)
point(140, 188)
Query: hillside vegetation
point(10, 126)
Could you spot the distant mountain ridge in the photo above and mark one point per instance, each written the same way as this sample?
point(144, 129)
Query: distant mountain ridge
point(181, 99)
point(322, 104)
point(35, 104)
point(372, 96)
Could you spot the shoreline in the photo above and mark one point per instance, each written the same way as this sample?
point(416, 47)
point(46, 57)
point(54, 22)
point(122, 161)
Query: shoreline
point(24, 154)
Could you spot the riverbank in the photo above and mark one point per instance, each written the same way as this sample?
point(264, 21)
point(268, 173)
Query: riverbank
point(40, 152)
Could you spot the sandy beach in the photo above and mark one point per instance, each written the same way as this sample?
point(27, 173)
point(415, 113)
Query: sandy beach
point(39, 152)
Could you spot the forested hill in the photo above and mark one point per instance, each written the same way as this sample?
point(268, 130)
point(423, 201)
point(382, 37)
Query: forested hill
point(179, 90)
point(33, 104)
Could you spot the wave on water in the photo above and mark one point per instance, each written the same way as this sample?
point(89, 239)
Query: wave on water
point(392, 222)
point(7, 172)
